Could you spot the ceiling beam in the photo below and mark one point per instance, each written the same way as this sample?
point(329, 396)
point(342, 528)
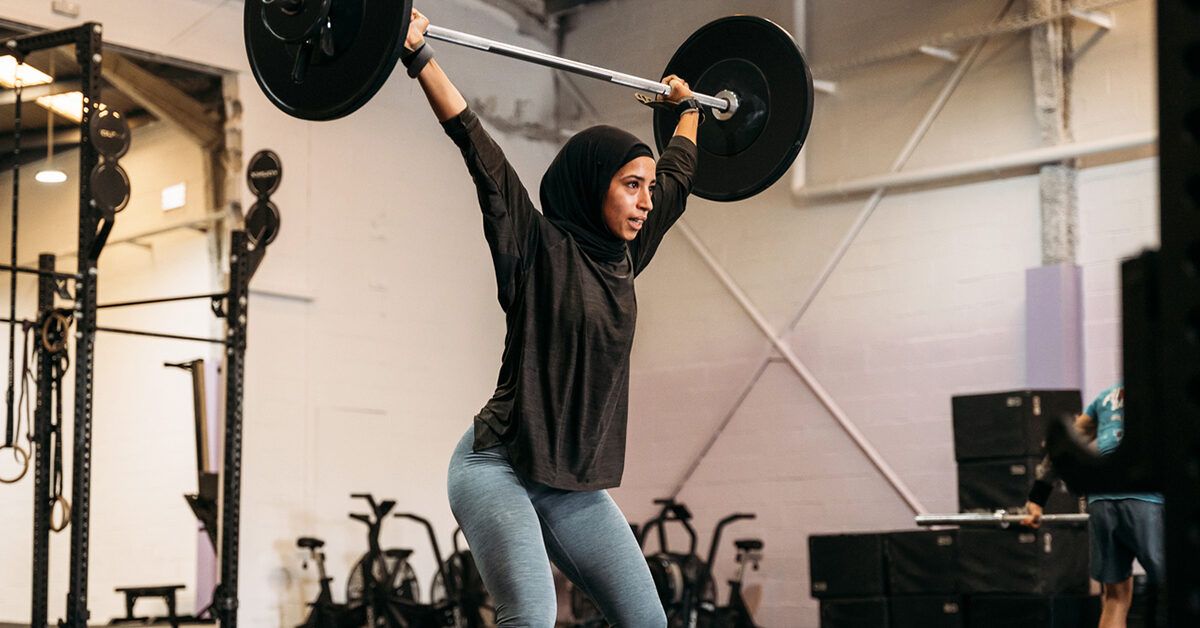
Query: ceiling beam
point(161, 98)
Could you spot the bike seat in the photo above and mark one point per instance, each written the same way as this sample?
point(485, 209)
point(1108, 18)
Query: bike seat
point(398, 553)
point(748, 545)
point(308, 542)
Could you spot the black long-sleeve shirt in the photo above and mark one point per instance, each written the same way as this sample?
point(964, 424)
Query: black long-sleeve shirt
point(561, 399)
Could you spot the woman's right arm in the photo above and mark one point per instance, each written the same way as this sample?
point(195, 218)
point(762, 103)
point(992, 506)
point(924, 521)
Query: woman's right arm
point(509, 218)
point(443, 97)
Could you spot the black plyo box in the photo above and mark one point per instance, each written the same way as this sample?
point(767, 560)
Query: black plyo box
point(1003, 483)
point(846, 565)
point(855, 613)
point(922, 562)
point(1008, 424)
point(927, 611)
point(1001, 611)
point(1022, 561)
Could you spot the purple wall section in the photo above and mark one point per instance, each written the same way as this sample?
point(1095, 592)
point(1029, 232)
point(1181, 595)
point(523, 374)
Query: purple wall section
point(1054, 327)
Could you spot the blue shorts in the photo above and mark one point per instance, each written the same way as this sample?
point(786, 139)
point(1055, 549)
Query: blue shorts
point(1124, 529)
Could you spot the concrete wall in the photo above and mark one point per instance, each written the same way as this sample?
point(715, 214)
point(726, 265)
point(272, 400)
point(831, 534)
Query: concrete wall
point(375, 336)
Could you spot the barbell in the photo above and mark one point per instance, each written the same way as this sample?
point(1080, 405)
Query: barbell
point(998, 518)
point(324, 59)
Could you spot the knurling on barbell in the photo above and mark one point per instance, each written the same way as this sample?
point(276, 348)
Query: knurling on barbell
point(324, 59)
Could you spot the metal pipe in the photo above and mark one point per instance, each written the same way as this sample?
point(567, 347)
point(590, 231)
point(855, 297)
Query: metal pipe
point(817, 389)
point(35, 271)
point(991, 165)
point(1000, 518)
point(154, 334)
point(583, 69)
point(214, 295)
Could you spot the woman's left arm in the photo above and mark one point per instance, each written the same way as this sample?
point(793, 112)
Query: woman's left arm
point(673, 179)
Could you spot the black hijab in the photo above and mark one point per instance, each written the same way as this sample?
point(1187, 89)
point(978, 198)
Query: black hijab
point(575, 184)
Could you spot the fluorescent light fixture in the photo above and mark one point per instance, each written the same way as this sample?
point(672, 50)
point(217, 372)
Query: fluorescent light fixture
point(29, 75)
point(50, 176)
point(68, 105)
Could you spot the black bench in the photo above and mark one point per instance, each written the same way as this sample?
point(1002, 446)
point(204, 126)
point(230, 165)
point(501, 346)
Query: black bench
point(132, 594)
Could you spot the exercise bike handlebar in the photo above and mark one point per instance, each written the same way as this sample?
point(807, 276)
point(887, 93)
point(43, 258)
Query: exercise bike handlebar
point(716, 540)
point(379, 509)
point(437, 552)
point(671, 511)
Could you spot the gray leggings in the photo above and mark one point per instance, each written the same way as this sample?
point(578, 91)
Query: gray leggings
point(515, 527)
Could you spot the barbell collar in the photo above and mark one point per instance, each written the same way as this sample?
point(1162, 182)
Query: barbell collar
point(584, 69)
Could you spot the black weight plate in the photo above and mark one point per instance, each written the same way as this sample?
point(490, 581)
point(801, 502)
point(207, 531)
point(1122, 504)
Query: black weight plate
point(367, 40)
point(264, 173)
point(761, 63)
point(110, 187)
point(109, 132)
point(295, 24)
point(262, 223)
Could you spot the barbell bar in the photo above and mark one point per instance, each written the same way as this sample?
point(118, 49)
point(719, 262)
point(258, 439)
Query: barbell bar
point(726, 106)
point(998, 518)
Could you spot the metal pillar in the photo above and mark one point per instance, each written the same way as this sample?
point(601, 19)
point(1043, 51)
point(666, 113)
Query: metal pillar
point(242, 263)
point(41, 450)
point(87, 52)
point(1050, 48)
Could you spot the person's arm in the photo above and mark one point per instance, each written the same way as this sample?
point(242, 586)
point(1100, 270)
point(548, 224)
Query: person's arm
point(443, 97)
point(673, 179)
point(509, 218)
point(1045, 476)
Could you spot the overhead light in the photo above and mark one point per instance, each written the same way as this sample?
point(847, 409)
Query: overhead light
point(50, 176)
point(10, 71)
point(67, 104)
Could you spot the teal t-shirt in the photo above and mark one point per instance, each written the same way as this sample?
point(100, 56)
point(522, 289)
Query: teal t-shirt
point(1108, 411)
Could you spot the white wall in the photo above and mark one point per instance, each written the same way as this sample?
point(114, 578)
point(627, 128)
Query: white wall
point(375, 335)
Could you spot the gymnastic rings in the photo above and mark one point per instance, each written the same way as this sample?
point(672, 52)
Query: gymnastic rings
point(64, 507)
point(23, 459)
point(55, 329)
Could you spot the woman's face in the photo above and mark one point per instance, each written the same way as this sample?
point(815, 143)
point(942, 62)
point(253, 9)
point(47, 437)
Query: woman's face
point(628, 200)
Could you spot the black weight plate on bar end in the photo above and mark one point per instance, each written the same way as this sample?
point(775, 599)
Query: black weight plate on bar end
point(760, 62)
point(264, 173)
point(262, 223)
point(109, 133)
point(367, 37)
point(110, 187)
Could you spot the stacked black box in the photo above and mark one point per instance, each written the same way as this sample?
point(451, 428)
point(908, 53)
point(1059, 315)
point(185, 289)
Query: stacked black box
point(847, 572)
point(922, 567)
point(999, 439)
point(846, 566)
point(1049, 561)
point(922, 562)
point(1008, 424)
point(927, 611)
point(869, 612)
point(1009, 611)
